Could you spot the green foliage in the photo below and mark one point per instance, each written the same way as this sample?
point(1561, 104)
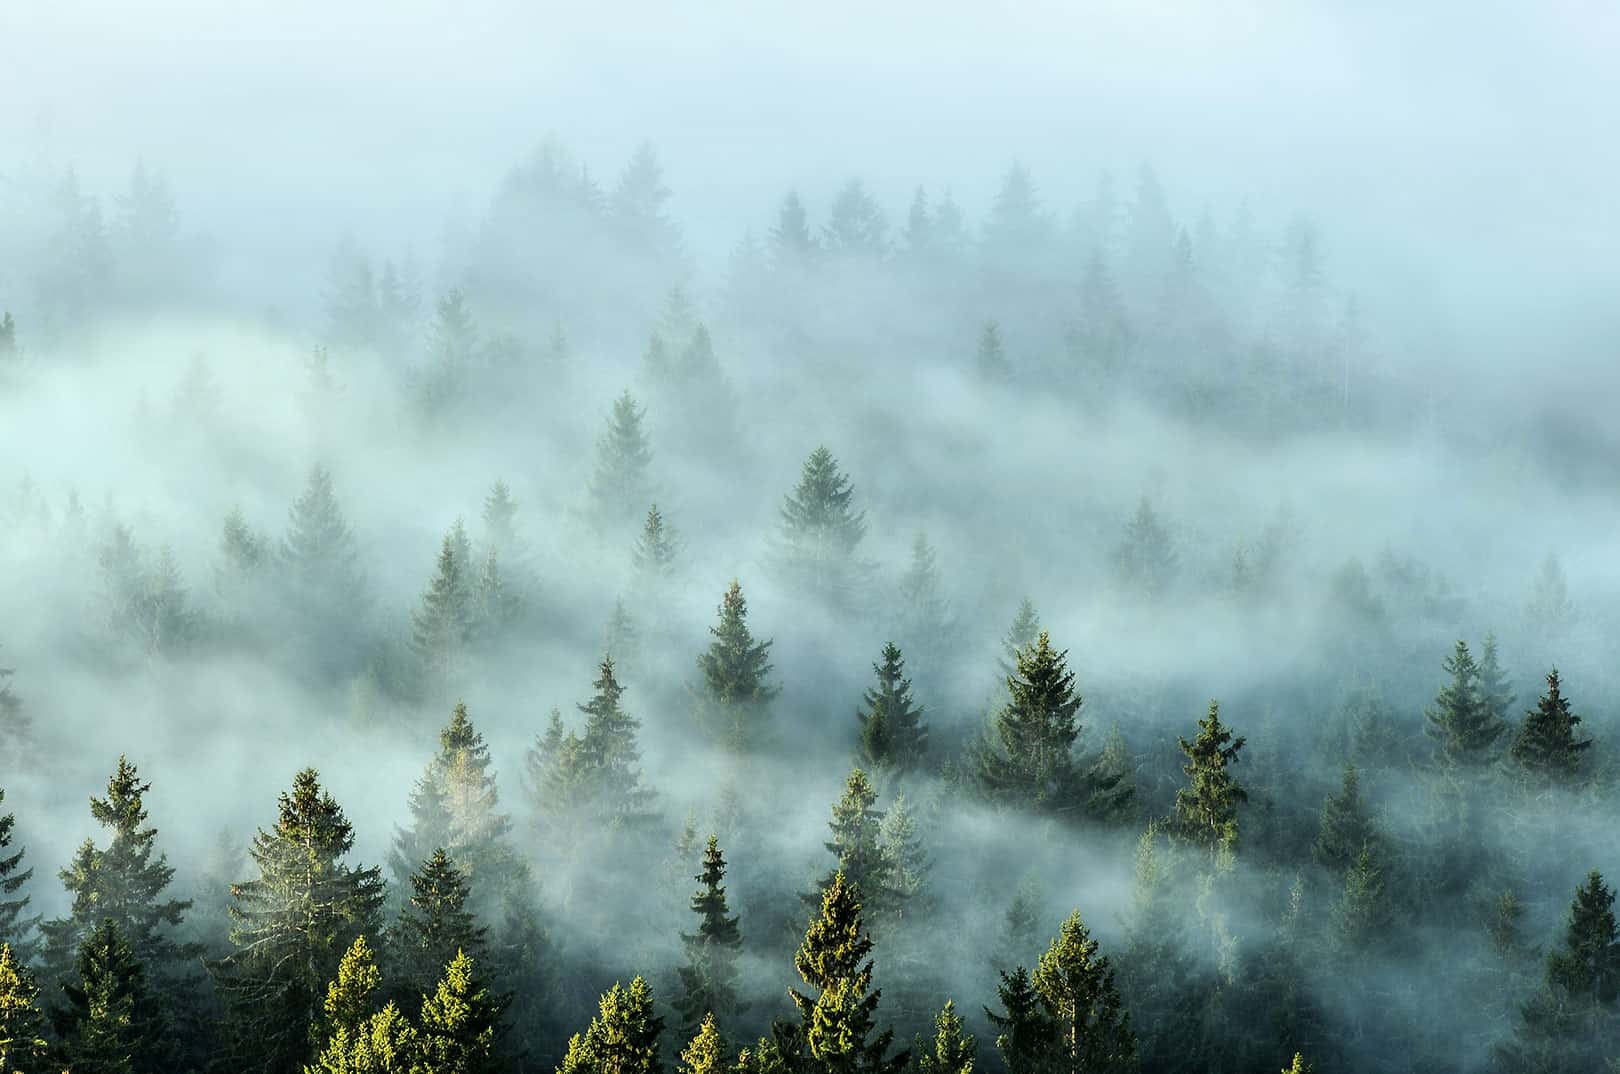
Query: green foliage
point(732, 702)
point(706, 1053)
point(1076, 985)
point(111, 1023)
point(1026, 1035)
point(1546, 746)
point(656, 550)
point(905, 861)
point(891, 732)
point(621, 483)
point(458, 1025)
point(1462, 721)
point(1365, 913)
point(953, 1051)
point(1206, 809)
point(1588, 964)
point(709, 978)
point(444, 624)
point(434, 926)
point(820, 531)
point(1021, 634)
point(353, 1036)
point(591, 779)
point(621, 1039)
point(14, 927)
point(1346, 825)
point(23, 1047)
point(839, 1019)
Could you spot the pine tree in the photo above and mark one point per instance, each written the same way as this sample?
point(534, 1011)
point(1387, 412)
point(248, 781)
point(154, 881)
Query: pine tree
point(892, 735)
point(14, 927)
point(856, 827)
point(354, 1037)
point(1076, 985)
point(706, 1053)
point(839, 1020)
point(709, 978)
point(1027, 1036)
point(1346, 825)
point(434, 925)
point(1298, 1066)
point(1461, 721)
point(620, 484)
point(733, 700)
point(621, 1039)
point(1145, 560)
point(496, 605)
point(656, 549)
point(815, 549)
point(291, 925)
point(1206, 809)
point(443, 625)
point(241, 551)
point(1546, 745)
point(954, 1050)
point(791, 246)
point(610, 745)
point(991, 359)
point(23, 1048)
point(459, 1023)
point(122, 883)
point(452, 347)
point(112, 1023)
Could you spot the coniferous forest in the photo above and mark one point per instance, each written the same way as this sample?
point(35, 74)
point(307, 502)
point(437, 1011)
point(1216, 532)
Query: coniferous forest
point(1053, 629)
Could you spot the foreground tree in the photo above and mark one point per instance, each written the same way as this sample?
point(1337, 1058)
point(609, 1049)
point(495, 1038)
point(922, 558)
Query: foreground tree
point(621, 1039)
point(23, 1048)
point(1026, 1036)
point(1206, 809)
point(709, 978)
point(892, 736)
point(112, 1023)
point(838, 1021)
point(1546, 746)
point(1076, 985)
point(732, 701)
point(354, 1035)
point(459, 1023)
point(433, 927)
point(953, 1051)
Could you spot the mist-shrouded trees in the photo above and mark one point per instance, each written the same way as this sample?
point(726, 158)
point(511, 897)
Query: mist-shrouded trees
point(111, 1021)
point(621, 483)
point(923, 623)
point(706, 1053)
point(1145, 559)
point(1547, 745)
point(1463, 722)
point(1021, 634)
point(990, 360)
point(1027, 759)
point(14, 723)
point(856, 828)
point(1549, 609)
point(14, 926)
point(892, 735)
point(709, 978)
point(1346, 825)
point(434, 924)
point(815, 548)
point(1026, 1036)
point(656, 553)
point(122, 883)
point(1076, 985)
point(23, 1047)
point(324, 584)
point(622, 1038)
point(1207, 808)
point(732, 699)
point(839, 1019)
point(953, 1049)
point(144, 599)
point(443, 625)
point(290, 927)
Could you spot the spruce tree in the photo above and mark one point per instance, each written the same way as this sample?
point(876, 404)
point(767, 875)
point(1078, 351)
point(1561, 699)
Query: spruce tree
point(855, 226)
point(709, 978)
point(1364, 914)
point(839, 1019)
point(892, 736)
point(352, 1034)
point(111, 1023)
point(1546, 746)
point(856, 827)
point(1145, 559)
point(923, 619)
point(1206, 809)
point(953, 1051)
point(1587, 966)
point(1494, 689)
point(1549, 609)
point(242, 552)
point(1346, 825)
point(496, 604)
point(1076, 985)
point(1461, 721)
point(621, 484)
point(732, 702)
point(291, 925)
point(1026, 1035)
point(991, 359)
point(905, 862)
point(610, 745)
point(621, 1039)
point(706, 1053)
point(456, 1032)
point(656, 549)
point(620, 639)
point(122, 883)
point(443, 625)
point(14, 927)
point(1021, 634)
point(820, 531)
point(1298, 1066)
point(23, 1047)
point(323, 583)
point(500, 519)
point(434, 925)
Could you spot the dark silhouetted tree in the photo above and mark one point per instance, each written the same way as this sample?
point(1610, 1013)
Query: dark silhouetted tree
point(892, 735)
point(1546, 745)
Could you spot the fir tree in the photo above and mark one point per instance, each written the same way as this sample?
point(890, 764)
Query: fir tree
point(954, 1050)
point(1549, 609)
point(111, 1023)
point(620, 484)
point(291, 925)
point(500, 518)
point(443, 625)
point(1364, 914)
point(1298, 1066)
point(620, 639)
point(353, 1036)
point(455, 807)
point(1206, 809)
point(122, 883)
point(621, 1039)
point(1493, 684)
point(706, 1053)
point(924, 620)
point(23, 1048)
point(241, 551)
point(1346, 825)
point(1021, 634)
point(323, 582)
point(1027, 1036)
point(991, 359)
point(1461, 721)
point(1587, 966)
point(434, 925)
point(610, 743)
point(856, 827)
point(855, 226)
point(839, 1019)
point(905, 861)
point(1546, 745)
point(709, 978)
point(1145, 560)
point(496, 606)
point(458, 1025)
point(1076, 985)
point(656, 549)
point(14, 927)
point(892, 735)
point(791, 245)
point(815, 549)
point(732, 701)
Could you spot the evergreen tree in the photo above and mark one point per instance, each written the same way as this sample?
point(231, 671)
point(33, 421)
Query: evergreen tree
point(991, 359)
point(1021, 634)
point(610, 744)
point(1549, 609)
point(452, 348)
point(23, 1048)
point(621, 1039)
point(923, 622)
point(122, 883)
point(1461, 721)
point(459, 1023)
point(290, 927)
point(709, 978)
point(352, 1034)
point(1076, 985)
point(855, 225)
point(111, 1023)
point(443, 625)
point(620, 638)
point(706, 1053)
point(241, 551)
point(15, 729)
point(1346, 826)
point(1027, 1036)
point(891, 732)
point(496, 606)
point(1298, 1066)
point(954, 1050)
point(500, 518)
point(905, 862)
point(1145, 560)
point(733, 700)
point(324, 585)
point(839, 1020)
point(1546, 745)
point(1588, 964)
point(856, 826)
point(1493, 684)
point(1206, 809)
point(815, 549)
point(1364, 914)
point(8, 336)
point(656, 549)
point(621, 483)
point(14, 927)
point(791, 246)
point(434, 926)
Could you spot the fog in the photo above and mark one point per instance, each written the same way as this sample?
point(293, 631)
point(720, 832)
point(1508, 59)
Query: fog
point(1303, 367)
